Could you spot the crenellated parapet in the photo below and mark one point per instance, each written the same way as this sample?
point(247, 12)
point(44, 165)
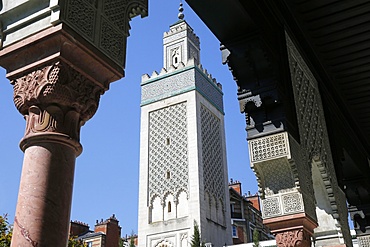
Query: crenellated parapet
point(179, 27)
point(177, 80)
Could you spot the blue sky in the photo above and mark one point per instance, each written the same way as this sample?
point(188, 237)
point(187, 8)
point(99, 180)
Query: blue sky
point(106, 177)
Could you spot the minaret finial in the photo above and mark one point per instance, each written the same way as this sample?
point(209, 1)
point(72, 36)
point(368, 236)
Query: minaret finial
point(181, 9)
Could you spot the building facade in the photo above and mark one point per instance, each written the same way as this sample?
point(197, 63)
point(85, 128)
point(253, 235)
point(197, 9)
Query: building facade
point(106, 233)
point(183, 171)
point(246, 216)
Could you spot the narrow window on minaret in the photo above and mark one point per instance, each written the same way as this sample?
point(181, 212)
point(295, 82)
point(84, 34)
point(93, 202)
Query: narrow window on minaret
point(168, 175)
point(169, 207)
point(168, 141)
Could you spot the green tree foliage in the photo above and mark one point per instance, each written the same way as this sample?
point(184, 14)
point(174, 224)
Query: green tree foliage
point(196, 239)
point(73, 242)
point(132, 241)
point(6, 231)
point(121, 242)
point(256, 238)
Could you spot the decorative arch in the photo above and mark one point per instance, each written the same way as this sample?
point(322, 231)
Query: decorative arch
point(164, 243)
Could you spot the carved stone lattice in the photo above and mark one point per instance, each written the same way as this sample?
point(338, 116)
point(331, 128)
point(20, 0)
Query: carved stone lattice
point(293, 238)
point(82, 15)
point(314, 136)
point(363, 241)
point(213, 165)
point(207, 87)
point(113, 10)
point(271, 207)
point(167, 87)
point(168, 151)
point(104, 23)
point(269, 147)
point(277, 176)
point(292, 203)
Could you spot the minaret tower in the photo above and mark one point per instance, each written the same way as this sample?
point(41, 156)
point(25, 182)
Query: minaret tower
point(183, 170)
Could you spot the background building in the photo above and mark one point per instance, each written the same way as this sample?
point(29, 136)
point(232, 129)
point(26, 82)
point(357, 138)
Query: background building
point(106, 233)
point(245, 215)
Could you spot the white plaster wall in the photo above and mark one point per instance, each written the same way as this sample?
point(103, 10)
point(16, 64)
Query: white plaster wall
point(169, 208)
point(182, 207)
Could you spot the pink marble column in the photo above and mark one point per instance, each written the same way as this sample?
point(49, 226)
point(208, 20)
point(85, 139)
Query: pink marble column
point(60, 61)
point(45, 195)
point(55, 100)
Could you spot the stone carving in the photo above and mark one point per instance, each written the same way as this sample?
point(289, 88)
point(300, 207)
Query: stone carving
point(167, 87)
point(277, 176)
point(160, 86)
point(164, 243)
point(113, 42)
point(212, 156)
point(57, 84)
point(363, 241)
point(269, 147)
point(292, 203)
point(293, 238)
point(313, 133)
point(82, 16)
point(207, 86)
point(104, 23)
point(282, 204)
point(55, 99)
point(271, 207)
point(168, 151)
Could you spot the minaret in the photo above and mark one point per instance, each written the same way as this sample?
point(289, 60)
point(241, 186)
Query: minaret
point(183, 170)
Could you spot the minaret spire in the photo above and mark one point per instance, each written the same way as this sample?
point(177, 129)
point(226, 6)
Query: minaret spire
point(181, 9)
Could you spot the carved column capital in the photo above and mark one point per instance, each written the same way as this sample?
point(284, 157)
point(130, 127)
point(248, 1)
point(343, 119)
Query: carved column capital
point(293, 238)
point(56, 101)
point(292, 230)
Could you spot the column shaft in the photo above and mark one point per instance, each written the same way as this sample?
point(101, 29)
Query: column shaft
point(45, 194)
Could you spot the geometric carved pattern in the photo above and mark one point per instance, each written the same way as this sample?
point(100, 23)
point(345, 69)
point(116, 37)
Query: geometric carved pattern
point(313, 134)
point(104, 23)
point(168, 151)
point(292, 203)
point(112, 42)
point(166, 87)
point(269, 147)
point(82, 15)
point(113, 10)
point(213, 166)
point(282, 204)
point(208, 88)
point(189, 78)
point(271, 207)
point(363, 241)
point(276, 175)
